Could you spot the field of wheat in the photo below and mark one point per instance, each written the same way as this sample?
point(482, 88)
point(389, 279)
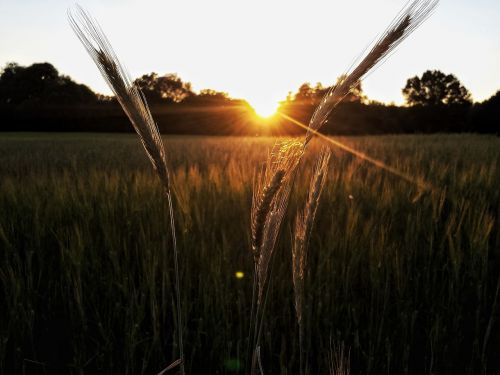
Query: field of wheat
point(404, 274)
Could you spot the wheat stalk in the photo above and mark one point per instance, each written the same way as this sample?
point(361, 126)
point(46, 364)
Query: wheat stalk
point(303, 227)
point(272, 191)
point(271, 194)
point(137, 110)
point(270, 200)
point(409, 19)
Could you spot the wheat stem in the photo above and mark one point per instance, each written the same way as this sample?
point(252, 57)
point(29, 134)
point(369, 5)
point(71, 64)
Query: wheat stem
point(270, 199)
point(303, 227)
point(137, 110)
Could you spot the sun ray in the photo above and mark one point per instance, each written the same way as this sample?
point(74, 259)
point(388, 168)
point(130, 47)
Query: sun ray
point(423, 185)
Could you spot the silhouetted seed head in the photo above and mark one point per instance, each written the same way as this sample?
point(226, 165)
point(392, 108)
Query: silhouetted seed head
point(128, 94)
point(412, 16)
point(270, 200)
point(263, 209)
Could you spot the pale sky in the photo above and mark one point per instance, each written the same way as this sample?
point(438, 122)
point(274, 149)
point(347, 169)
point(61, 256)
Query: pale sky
point(259, 50)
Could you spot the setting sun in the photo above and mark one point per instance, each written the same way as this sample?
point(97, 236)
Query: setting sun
point(264, 109)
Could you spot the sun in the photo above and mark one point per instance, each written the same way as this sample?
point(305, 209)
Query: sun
point(264, 109)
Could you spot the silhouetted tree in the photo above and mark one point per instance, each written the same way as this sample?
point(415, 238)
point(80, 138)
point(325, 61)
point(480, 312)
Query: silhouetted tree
point(306, 94)
point(301, 105)
point(436, 88)
point(209, 97)
point(40, 83)
point(168, 88)
point(486, 114)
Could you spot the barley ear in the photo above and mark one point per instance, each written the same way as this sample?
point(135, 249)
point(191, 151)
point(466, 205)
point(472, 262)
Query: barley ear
point(271, 195)
point(127, 93)
point(305, 219)
point(263, 208)
point(269, 203)
point(409, 19)
point(303, 227)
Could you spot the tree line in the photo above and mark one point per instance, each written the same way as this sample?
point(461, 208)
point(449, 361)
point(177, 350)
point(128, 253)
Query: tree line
point(39, 98)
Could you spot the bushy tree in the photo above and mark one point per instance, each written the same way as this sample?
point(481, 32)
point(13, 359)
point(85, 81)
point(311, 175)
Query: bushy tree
point(40, 83)
point(436, 88)
point(486, 114)
point(207, 97)
point(166, 88)
point(308, 94)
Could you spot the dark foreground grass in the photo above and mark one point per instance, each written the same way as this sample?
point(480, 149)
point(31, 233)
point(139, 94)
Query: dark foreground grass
point(408, 280)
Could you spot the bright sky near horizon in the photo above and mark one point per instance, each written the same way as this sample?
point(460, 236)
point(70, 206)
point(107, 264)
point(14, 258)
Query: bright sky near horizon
point(259, 50)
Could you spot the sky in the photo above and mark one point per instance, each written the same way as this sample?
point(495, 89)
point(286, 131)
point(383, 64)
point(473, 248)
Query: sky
point(259, 50)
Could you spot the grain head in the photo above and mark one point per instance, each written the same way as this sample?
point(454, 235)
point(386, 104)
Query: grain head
point(409, 19)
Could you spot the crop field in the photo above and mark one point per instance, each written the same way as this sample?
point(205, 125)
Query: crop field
point(404, 273)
